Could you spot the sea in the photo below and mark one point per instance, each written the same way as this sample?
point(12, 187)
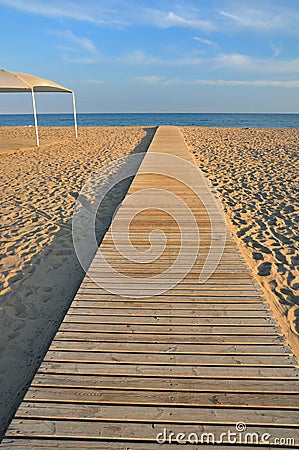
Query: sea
point(236, 120)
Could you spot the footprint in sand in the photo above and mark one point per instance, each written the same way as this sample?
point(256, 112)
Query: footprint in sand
point(257, 256)
point(21, 310)
point(264, 269)
point(293, 319)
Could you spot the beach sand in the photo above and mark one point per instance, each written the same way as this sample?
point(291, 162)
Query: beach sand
point(255, 172)
point(39, 270)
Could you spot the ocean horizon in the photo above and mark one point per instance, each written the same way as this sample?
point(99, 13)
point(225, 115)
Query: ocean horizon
point(235, 120)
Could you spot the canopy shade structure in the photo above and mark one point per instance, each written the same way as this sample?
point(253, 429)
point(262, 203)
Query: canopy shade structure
point(22, 82)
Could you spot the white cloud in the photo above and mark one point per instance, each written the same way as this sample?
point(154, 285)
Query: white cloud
point(233, 60)
point(276, 51)
point(256, 83)
point(115, 13)
point(56, 9)
point(263, 17)
point(241, 62)
point(95, 81)
point(82, 41)
point(154, 79)
point(203, 41)
point(173, 19)
point(85, 61)
point(139, 57)
point(150, 79)
point(65, 48)
point(230, 62)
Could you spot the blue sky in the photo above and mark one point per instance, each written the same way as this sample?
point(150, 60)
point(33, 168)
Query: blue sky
point(155, 55)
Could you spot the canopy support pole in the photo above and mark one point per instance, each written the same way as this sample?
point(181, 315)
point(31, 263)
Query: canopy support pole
point(75, 114)
point(35, 117)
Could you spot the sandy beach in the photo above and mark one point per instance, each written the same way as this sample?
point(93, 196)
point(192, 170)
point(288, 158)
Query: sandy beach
point(255, 172)
point(39, 269)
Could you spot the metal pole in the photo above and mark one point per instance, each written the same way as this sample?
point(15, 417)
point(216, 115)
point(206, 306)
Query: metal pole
point(75, 114)
point(35, 117)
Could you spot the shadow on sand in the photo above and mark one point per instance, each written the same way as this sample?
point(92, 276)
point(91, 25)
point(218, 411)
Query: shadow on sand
point(43, 300)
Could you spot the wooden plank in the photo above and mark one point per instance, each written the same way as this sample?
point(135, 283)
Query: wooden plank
point(169, 313)
point(165, 384)
point(175, 321)
point(180, 399)
point(127, 305)
point(170, 357)
point(178, 349)
point(163, 369)
point(146, 432)
point(230, 329)
point(183, 286)
point(161, 290)
point(154, 414)
point(77, 444)
point(193, 300)
point(210, 339)
point(87, 444)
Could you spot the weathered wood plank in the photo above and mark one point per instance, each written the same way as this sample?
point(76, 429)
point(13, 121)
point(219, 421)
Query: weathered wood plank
point(114, 336)
point(163, 369)
point(178, 349)
point(230, 329)
point(175, 321)
point(152, 398)
point(169, 358)
point(196, 307)
point(154, 414)
point(220, 314)
point(49, 444)
point(126, 432)
point(165, 384)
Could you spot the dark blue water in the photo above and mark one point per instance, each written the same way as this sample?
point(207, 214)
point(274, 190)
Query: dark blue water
point(155, 119)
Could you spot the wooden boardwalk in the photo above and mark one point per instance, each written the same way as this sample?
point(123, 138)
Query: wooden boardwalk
point(135, 355)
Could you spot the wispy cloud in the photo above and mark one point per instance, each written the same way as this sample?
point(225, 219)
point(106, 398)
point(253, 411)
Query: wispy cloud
point(253, 83)
point(246, 63)
point(85, 61)
point(276, 51)
point(139, 57)
point(56, 9)
point(264, 17)
point(66, 48)
point(82, 42)
point(91, 53)
point(94, 81)
point(230, 62)
point(234, 60)
point(150, 79)
point(203, 41)
point(172, 19)
point(155, 79)
point(116, 13)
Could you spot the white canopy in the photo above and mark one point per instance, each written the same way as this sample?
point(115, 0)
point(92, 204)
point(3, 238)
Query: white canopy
point(22, 82)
